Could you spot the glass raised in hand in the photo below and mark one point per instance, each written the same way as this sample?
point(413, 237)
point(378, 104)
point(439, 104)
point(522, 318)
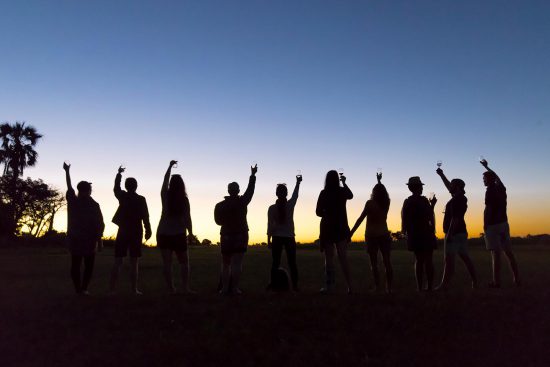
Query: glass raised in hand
point(439, 163)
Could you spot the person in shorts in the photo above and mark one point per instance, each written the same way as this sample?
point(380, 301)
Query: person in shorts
point(84, 231)
point(131, 216)
point(377, 235)
point(334, 228)
point(418, 224)
point(495, 224)
point(454, 227)
point(175, 223)
point(230, 214)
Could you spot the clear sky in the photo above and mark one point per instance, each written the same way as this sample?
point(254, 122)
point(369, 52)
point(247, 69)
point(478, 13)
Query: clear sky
point(309, 85)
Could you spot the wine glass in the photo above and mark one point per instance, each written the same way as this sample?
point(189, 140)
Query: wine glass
point(175, 165)
point(439, 163)
point(67, 162)
point(482, 159)
point(379, 171)
point(431, 195)
point(299, 173)
point(341, 171)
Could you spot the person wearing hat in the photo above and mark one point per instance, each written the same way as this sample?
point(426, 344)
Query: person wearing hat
point(84, 231)
point(131, 217)
point(454, 227)
point(418, 224)
point(230, 214)
point(495, 224)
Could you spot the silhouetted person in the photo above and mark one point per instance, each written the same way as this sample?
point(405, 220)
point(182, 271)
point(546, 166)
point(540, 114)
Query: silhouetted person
point(280, 231)
point(131, 216)
point(230, 214)
point(84, 231)
point(454, 227)
point(418, 223)
point(175, 224)
point(377, 235)
point(334, 229)
point(495, 224)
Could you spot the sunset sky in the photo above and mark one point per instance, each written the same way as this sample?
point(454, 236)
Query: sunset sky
point(293, 85)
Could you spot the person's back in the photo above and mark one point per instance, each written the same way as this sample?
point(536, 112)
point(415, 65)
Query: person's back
point(455, 210)
point(283, 228)
point(231, 214)
point(332, 210)
point(131, 212)
point(495, 204)
point(84, 218)
point(376, 219)
point(418, 216)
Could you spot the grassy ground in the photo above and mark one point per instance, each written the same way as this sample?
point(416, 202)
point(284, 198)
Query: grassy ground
point(42, 323)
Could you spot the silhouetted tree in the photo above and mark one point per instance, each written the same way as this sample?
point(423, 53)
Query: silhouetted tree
point(206, 242)
point(34, 207)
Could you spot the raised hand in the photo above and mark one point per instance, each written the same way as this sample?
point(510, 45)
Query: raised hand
point(484, 163)
point(253, 170)
point(439, 171)
point(343, 179)
point(379, 177)
point(173, 163)
point(298, 178)
point(433, 201)
point(66, 166)
point(121, 169)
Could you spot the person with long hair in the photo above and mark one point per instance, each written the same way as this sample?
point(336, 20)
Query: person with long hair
point(377, 235)
point(418, 224)
point(454, 227)
point(280, 231)
point(175, 227)
point(84, 231)
point(334, 228)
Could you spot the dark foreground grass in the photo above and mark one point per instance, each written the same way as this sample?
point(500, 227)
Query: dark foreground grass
point(42, 323)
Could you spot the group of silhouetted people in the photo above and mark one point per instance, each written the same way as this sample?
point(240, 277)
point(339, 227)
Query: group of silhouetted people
point(85, 230)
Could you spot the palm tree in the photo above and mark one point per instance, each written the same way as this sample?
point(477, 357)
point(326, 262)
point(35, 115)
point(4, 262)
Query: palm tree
point(17, 150)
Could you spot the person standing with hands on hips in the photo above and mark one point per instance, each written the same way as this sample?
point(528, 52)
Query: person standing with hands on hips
point(131, 216)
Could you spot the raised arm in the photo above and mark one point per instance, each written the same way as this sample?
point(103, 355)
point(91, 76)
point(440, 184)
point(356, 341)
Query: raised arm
point(485, 164)
point(294, 196)
point(447, 183)
point(167, 177)
point(247, 196)
point(118, 191)
point(67, 168)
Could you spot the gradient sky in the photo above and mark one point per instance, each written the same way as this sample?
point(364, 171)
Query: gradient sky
point(309, 85)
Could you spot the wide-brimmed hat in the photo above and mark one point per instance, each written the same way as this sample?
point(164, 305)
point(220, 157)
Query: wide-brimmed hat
point(415, 180)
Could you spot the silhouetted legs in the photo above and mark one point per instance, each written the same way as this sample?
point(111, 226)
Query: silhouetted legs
point(471, 268)
point(81, 286)
point(183, 260)
point(232, 267)
point(424, 264)
point(341, 249)
point(496, 266)
point(134, 263)
point(373, 256)
point(289, 244)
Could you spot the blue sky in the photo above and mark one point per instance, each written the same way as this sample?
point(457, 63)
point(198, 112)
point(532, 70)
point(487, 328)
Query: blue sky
point(309, 85)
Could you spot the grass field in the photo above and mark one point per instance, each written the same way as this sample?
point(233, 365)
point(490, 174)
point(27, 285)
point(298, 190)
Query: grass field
point(42, 323)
